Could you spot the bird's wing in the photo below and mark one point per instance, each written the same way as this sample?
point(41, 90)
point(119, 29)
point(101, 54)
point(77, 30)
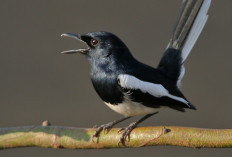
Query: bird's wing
point(150, 93)
point(189, 26)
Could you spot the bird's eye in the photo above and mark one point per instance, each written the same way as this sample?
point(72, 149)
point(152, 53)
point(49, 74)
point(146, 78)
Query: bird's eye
point(94, 42)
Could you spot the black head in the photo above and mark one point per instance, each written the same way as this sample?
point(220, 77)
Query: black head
point(100, 45)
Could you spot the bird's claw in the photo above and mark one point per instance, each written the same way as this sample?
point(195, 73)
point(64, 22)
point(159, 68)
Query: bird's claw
point(121, 130)
point(105, 128)
point(96, 133)
point(126, 133)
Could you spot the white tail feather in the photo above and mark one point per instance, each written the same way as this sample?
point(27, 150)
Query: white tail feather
point(196, 29)
point(182, 71)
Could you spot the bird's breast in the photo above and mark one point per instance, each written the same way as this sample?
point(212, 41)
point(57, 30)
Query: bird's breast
point(107, 87)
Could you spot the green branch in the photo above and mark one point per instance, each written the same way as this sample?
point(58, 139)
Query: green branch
point(80, 138)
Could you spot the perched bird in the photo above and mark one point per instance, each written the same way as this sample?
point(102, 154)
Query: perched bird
point(132, 88)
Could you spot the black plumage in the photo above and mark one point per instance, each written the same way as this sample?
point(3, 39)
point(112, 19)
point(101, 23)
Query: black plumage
point(133, 88)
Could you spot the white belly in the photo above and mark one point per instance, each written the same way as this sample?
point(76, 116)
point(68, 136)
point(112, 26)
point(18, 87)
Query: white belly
point(130, 108)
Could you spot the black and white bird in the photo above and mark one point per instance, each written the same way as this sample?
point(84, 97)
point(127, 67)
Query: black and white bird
point(132, 88)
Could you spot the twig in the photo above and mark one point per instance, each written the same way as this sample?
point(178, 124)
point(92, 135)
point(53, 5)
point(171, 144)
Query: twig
point(79, 138)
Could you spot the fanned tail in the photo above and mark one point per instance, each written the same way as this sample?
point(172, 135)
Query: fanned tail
point(189, 26)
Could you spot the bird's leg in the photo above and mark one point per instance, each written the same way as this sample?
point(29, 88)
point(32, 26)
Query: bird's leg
point(126, 131)
point(107, 127)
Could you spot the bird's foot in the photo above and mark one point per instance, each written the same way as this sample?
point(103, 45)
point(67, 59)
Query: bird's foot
point(105, 127)
point(126, 133)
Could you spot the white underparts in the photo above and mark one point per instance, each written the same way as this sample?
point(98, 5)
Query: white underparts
point(130, 108)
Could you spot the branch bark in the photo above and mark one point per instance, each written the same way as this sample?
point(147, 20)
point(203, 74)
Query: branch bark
point(80, 138)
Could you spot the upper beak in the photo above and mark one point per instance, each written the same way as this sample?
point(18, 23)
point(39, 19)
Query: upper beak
point(75, 36)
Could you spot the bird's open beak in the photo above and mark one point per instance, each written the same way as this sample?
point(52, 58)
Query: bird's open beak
point(75, 36)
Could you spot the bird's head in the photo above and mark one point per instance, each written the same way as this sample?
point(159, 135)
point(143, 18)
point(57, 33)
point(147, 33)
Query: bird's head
point(99, 45)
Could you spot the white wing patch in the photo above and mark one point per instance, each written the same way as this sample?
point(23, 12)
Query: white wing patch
point(156, 90)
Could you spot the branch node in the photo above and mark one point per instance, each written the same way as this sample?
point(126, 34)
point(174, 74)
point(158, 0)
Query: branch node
point(46, 123)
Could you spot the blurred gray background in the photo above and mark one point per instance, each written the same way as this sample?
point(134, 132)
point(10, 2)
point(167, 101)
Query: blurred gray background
point(39, 83)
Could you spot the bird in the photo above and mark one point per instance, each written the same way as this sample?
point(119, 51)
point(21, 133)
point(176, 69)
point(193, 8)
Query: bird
point(132, 88)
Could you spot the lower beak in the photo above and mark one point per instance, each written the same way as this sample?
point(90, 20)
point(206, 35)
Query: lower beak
point(75, 36)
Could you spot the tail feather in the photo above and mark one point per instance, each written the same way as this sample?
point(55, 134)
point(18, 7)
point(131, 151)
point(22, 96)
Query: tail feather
point(196, 29)
point(189, 26)
point(186, 18)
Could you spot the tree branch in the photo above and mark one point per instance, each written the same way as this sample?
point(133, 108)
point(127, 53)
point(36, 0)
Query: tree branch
point(80, 138)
